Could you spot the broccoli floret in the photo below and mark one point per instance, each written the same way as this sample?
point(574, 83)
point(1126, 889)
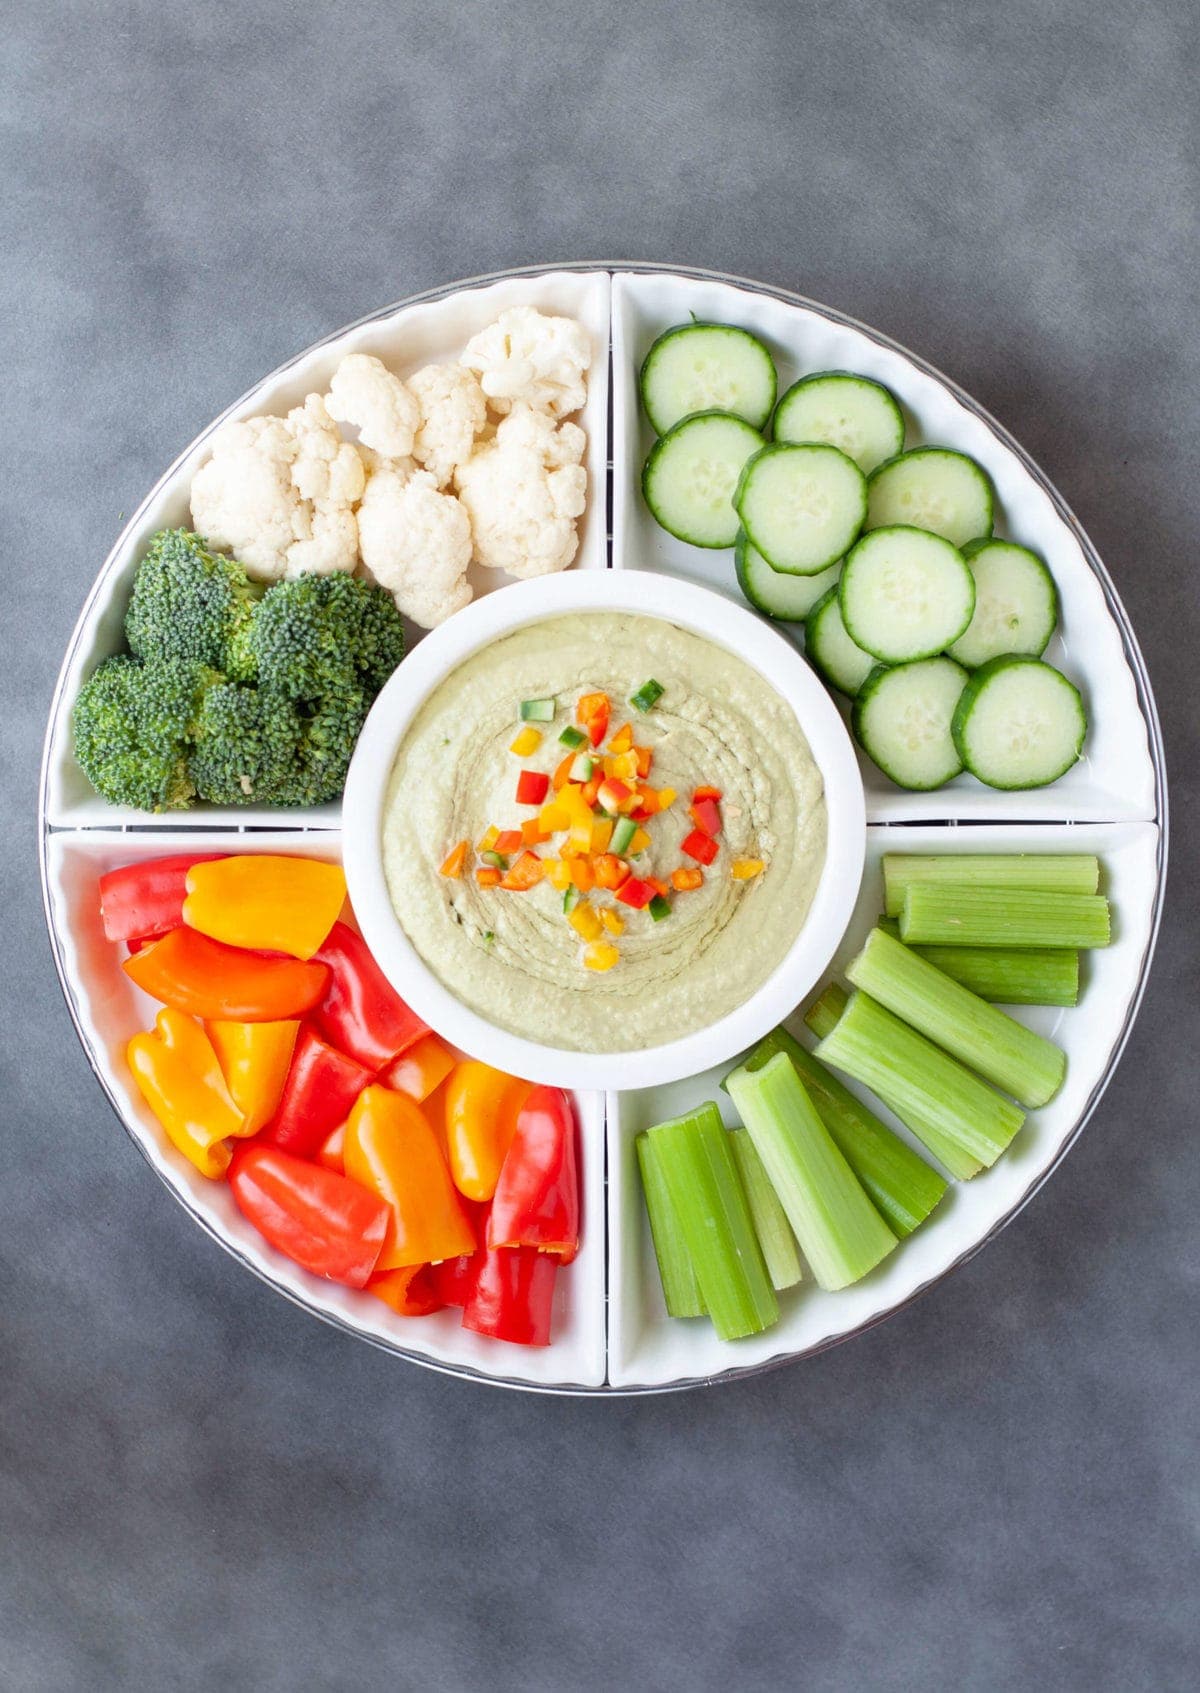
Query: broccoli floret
point(321, 635)
point(189, 602)
point(246, 747)
point(133, 724)
point(325, 746)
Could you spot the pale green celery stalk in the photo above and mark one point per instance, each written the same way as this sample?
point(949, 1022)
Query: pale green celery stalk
point(961, 1119)
point(705, 1191)
point(1003, 1051)
point(824, 1011)
point(770, 1219)
point(1057, 872)
point(681, 1290)
point(954, 916)
point(901, 1185)
point(841, 1234)
point(1006, 975)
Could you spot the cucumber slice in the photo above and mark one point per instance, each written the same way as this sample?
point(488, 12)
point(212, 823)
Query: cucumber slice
point(935, 489)
point(850, 412)
point(1016, 603)
point(691, 474)
point(902, 719)
point(833, 655)
point(801, 506)
point(707, 367)
point(789, 599)
point(905, 594)
point(1019, 723)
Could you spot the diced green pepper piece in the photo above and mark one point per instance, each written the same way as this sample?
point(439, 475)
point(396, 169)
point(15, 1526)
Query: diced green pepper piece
point(659, 908)
point(497, 860)
point(573, 738)
point(647, 696)
point(538, 711)
point(582, 767)
point(622, 834)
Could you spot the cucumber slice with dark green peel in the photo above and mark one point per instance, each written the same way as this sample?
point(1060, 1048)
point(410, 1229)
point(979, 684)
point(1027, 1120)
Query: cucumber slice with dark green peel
point(692, 473)
point(935, 489)
point(1019, 723)
point(905, 594)
point(852, 413)
point(789, 599)
point(1016, 603)
point(707, 367)
point(801, 506)
point(833, 655)
point(902, 717)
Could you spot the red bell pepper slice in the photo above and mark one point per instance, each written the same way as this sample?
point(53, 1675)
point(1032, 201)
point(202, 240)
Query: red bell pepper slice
point(322, 1085)
point(706, 815)
point(454, 1278)
point(513, 1295)
point(361, 1013)
point(537, 1196)
point(636, 893)
point(532, 787)
point(141, 900)
point(322, 1221)
point(699, 846)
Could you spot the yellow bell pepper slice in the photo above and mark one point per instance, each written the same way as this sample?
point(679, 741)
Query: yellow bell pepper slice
point(265, 902)
point(177, 1073)
point(255, 1059)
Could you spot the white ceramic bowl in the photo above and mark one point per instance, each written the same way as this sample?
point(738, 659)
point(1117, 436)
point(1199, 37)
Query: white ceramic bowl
point(689, 607)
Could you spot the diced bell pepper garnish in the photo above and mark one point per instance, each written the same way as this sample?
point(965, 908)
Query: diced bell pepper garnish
point(615, 795)
point(532, 833)
point(647, 696)
point(526, 873)
point(582, 767)
point(452, 866)
point(659, 907)
point(706, 793)
point(623, 832)
point(527, 742)
point(635, 892)
point(706, 815)
point(538, 711)
point(746, 869)
point(489, 838)
point(554, 817)
point(622, 741)
point(508, 840)
point(573, 738)
point(640, 841)
point(557, 872)
point(602, 833)
point(600, 955)
point(687, 881)
point(592, 714)
point(612, 922)
point(581, 875)
point(487, 877)
point(494, 860)
point(585, 920)
point(532, 787)
point(699, 846)
point(609, 871)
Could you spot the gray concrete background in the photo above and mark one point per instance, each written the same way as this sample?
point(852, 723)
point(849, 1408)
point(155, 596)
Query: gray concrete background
point(200, 1487)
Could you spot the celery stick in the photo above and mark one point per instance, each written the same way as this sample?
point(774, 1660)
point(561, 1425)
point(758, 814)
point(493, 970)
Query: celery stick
point(705, 1190)
point(681, 1290)
point(841, 1234)
point(1006, 975)
point(902, 1186)
point(1053, 872)
point(1020, 917)
point(1003, 1051)
point(961, 1120)
point(824, 1012)
point(770, 1220)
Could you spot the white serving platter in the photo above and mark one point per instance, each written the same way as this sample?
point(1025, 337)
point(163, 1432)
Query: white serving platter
point(1114, 802)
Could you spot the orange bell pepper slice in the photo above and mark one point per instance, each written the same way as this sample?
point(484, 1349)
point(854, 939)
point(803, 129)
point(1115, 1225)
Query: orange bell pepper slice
point(409, 1292)
point(265, 902)
point(482, 1105)
point(178, 1076)
point(421, 1069)
point(219, 983)
point(392, 1151)
point(255, 1059)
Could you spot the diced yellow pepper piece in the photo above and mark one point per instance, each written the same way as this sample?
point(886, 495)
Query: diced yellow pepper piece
point(553, 817)
point(489, 839)
point(666, 797)
point(600, 955)
point(625, 765)
point(601, 835)
point(745, 869)
point(622, 740)
point(528, 741)
point(640, 841)
point(611, 921)
point(585, 921)
point(557, 872)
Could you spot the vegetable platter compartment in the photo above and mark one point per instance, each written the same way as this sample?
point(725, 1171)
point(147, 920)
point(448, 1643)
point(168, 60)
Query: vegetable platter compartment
point(611, 1333)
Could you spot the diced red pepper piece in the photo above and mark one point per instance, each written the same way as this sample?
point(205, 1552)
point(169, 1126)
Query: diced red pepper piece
point(526, 873)
point(321, 1086)
point(508, 840)
point(513, 1295)
point(633, 891)
point(537, 1196)
point(322, 1221)
point(139, 901)
point(361, 1013)
point(706, 815)
point(707, 793)
point(699, 846)
point(532, 787)
point(615, 795)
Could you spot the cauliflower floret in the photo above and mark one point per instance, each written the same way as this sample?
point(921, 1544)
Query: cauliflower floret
point(250, 496)
point(416, 543)
point(453, 412)
point(523, 492)
point(525, 357)
point(326, 468)
point(363, 392)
